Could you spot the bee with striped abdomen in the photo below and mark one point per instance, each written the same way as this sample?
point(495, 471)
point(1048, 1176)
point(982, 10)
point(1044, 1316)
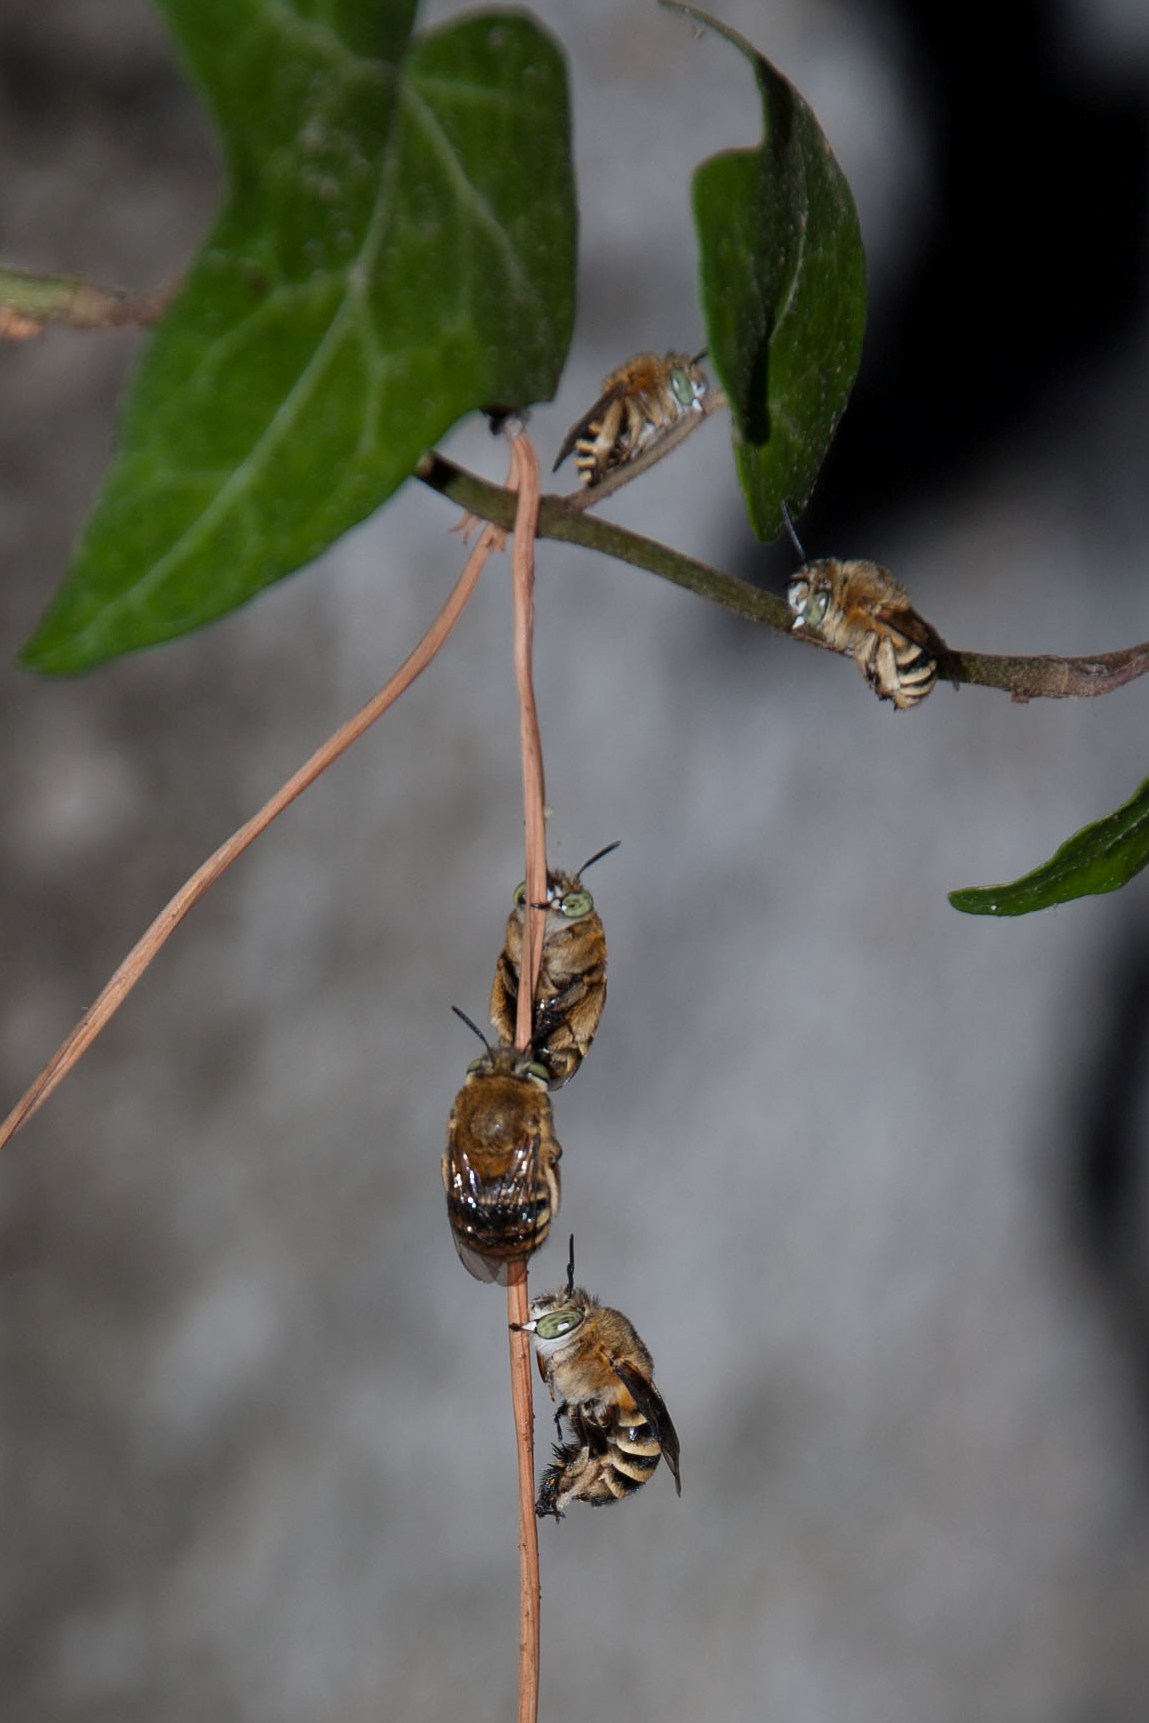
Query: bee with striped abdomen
point(500, 1167)
point(859, 608)
point(571, 990)
point(601, 1377)
point(638, 405)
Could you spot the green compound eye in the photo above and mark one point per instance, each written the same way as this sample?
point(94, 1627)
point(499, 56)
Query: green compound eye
point(575, 905)
point(817, 608)
point(520, 894)
point(681, 387)
point(540, 1074)
point(556, 1323)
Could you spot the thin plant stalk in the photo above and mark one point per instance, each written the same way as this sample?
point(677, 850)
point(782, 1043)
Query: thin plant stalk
point(28, 301)
point(153, 940)
point(526, 478)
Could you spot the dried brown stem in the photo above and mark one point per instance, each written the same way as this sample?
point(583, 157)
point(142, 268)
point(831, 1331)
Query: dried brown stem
point(534, 793)
point(1050, 678)
point(518, 1312)
point(525, 468)
point(142, 953)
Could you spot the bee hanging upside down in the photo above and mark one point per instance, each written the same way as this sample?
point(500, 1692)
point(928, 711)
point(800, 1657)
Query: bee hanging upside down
point(602, 1378)
point(638, 405)
point(500, 1168)
point(571, 989)
point(859, 608)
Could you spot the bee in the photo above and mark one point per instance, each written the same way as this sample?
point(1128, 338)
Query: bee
point(859, 608)
point(500, 1167)
point(571, 990)
point(639, 403)
point(602, 1378)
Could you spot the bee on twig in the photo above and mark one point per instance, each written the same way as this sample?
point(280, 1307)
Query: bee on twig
point(571, 990)
point(859, 608)
point(500, 1167)
point(638, 405)
point(601, 1377)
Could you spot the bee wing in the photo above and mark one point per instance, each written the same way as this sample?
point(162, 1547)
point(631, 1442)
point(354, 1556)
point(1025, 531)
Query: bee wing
point(518, 1184)
point(904, 620)
point(587, 420)
point(483, 1268)
point(653, 1408)
point(464, 1190)
point(502, 1208)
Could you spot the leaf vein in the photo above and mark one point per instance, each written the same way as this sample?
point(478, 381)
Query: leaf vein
point(470, 193)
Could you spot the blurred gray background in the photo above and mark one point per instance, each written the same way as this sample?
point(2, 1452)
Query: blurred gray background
point(868, 1176)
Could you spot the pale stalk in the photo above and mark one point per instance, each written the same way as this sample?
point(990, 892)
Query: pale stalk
point(147, 948)
point(526, 479)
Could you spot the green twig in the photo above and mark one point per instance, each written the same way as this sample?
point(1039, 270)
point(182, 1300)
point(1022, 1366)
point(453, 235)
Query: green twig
point(41, 299)
point(1023, 678)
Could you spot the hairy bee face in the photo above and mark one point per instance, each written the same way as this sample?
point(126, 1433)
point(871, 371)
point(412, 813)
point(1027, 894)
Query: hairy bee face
point(639, 403)
point(859, 608)
point(601, 1377)
point(500, 1168)
point(571, 990)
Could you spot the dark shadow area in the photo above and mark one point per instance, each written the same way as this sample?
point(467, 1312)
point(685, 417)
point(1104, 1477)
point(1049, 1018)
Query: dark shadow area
point(1106, 1190)
point(1033, 264)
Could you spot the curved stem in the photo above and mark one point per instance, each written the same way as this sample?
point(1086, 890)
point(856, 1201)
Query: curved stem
point(1023, 678)
point(148, 946)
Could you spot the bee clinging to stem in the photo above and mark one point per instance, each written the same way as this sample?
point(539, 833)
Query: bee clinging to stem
point(859, 608)
point(601, 1377)
point(571, 989)
point(500, 1167)
point(638, 405)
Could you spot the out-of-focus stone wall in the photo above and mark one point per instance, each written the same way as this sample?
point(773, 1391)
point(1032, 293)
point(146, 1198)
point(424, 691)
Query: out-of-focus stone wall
point(865, 1174)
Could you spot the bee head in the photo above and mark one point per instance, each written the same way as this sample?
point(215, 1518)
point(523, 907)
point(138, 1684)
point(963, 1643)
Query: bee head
point(513, 1061)
point(687, 390)
point(517, 1061)
point(808, 602)
point(555, 1316)
point(566, 895)
point(565, 898)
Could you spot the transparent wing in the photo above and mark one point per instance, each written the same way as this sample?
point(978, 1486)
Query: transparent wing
point(653, 1408)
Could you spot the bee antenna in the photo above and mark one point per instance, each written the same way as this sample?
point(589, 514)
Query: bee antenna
point(570, 1269)
point(701, 355)
point(598, 855)
point(794, 539)
point(472, 1025)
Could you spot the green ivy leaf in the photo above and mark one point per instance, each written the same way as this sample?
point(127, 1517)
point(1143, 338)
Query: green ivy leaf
point(396, 249)
point(1100, 857)
point(783, 280)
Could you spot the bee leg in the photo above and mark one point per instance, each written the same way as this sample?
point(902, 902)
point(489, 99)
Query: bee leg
point(547, 1502)
point(866, 657)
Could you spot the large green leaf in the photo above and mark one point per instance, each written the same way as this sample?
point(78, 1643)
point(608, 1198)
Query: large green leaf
point(396, 249)
point(783, 279)
point(1098, 858)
